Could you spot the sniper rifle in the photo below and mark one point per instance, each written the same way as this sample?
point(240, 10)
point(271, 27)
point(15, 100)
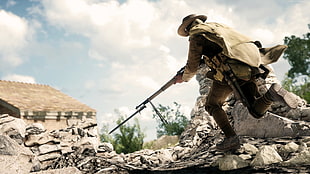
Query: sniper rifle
point(142, 106)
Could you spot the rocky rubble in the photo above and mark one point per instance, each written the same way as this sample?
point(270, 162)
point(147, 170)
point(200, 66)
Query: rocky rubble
point(278, 142)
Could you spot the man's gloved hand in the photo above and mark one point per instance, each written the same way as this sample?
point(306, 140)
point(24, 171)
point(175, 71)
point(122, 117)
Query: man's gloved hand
point(178, 78)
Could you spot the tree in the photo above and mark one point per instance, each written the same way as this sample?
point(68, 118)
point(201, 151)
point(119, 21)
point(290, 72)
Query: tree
point(298, 56)
point(130, 138)
point(301, 90)
point(177, 121)
point(105, 136)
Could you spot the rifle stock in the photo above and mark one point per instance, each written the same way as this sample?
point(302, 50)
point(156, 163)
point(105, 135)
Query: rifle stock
point(142, 106)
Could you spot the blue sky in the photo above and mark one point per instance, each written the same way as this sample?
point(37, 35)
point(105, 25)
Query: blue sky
point(113, 54)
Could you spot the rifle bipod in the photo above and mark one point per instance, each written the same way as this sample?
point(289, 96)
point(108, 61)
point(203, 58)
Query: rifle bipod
point(165, 122)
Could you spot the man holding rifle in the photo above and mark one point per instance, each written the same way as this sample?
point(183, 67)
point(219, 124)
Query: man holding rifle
point(235, 62)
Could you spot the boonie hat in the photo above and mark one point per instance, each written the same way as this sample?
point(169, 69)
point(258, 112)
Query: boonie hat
point(187, 21)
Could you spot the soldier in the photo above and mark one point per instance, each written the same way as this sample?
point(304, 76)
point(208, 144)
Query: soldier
point(230, 54)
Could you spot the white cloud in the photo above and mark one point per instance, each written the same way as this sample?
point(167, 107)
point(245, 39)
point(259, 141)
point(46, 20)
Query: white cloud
point(19, 78)
point(119, 31)
point(264, 35)
point(13, 35)
point(148, 82)
point(115, 30)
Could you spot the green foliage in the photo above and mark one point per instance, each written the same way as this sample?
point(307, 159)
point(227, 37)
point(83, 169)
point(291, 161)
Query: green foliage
point(149, 145)
point(105, 136)
point(302, 90)
point(298, 56)
point(130, 138)
point(177, 121)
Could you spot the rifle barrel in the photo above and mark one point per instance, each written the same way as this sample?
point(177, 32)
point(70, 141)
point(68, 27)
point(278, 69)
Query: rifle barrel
point(140, 109)
point(163, 88)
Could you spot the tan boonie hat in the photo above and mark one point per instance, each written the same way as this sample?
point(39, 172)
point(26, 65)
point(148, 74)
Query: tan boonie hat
point(187, 21)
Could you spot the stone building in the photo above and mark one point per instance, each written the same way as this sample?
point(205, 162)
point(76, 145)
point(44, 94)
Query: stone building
point(42, 104)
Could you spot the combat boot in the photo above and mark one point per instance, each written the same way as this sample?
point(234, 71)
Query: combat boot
point(228, 144)
point(278, 93)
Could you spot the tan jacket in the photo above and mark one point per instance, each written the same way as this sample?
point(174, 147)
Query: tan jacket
point(234, 45)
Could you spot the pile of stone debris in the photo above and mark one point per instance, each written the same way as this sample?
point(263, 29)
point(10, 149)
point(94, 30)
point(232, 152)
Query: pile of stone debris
point(25, 148)
point(278, 142)
point(76, 150)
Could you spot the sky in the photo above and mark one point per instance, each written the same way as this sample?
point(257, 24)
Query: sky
point(112, 54)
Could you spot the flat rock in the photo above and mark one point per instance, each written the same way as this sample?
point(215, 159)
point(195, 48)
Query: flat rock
point(266, 155)
point(71, 170)
point(270, 125)
point(232, 162)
